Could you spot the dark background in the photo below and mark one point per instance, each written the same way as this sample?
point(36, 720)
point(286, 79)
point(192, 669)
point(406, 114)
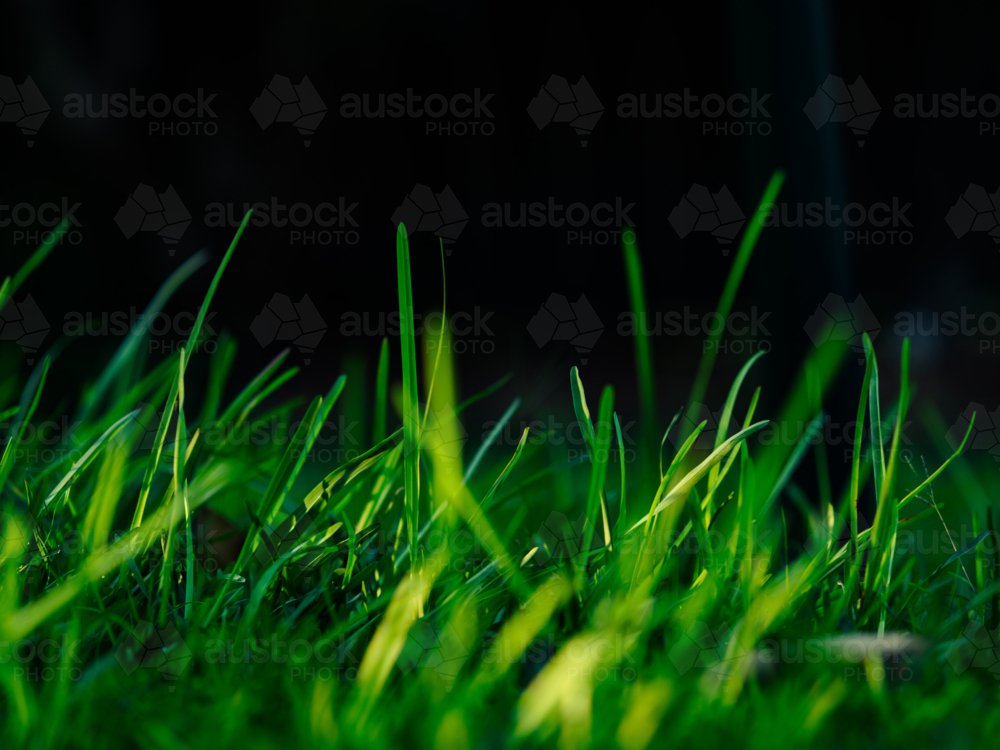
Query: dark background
point(783, 49)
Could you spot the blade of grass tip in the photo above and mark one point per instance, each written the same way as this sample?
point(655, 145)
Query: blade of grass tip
point(727, 410)
point(690, 479)
point(488, 391)
point(581, 409)
point(30, 396)
point(622, 508)
point(747, 244)
point(411, 419)
point(128, 347)
point(666, 434)
point(381, 394)
point(668, 475)
point(875, 417)
point(958, 451)
point(259, 381)
point(643, 355)
point(599, 468)
point(36, 258)
point(203, 310)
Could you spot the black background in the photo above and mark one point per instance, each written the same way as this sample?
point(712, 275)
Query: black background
point(783, 49)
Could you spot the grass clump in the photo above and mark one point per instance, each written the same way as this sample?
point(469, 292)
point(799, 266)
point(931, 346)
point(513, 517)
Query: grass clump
point(398, 602)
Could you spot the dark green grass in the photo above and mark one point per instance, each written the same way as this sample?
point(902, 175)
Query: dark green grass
point(496, 596)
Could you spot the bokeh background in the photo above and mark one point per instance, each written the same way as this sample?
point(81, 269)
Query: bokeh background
point(784, 51)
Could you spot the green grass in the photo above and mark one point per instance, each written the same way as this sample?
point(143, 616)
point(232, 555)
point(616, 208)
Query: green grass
point(500, 596)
